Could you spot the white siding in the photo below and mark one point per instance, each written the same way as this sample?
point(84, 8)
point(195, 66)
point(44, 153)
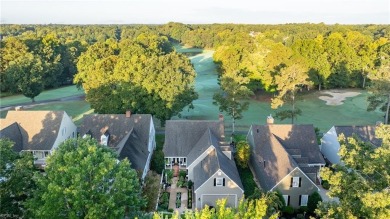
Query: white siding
point(330, 146)
point(67, 130)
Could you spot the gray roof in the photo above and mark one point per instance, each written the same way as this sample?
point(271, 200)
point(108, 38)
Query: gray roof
point(213, 162)
point(133, 130)
point(13, 133)
point(39, 129)
point(204, 142)
point(365, 133)
point(135, 151)
point(182, 135)
point(273, 144)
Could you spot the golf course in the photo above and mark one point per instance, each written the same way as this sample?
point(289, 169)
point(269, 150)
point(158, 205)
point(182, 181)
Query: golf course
point(323, 109)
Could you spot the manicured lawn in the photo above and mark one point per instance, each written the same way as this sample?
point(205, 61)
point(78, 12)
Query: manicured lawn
point(75, 109)
point(45, 95)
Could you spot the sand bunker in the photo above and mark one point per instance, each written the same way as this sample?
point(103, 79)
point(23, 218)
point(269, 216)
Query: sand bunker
point(336, 97)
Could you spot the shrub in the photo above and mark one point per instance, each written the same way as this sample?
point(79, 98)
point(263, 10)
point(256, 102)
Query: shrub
point(312, 202)
point(158, 163)
point(190, 184)
point(302, 209)
point(288, 210)
point(325, 184)
point(170, 210)
point(182, 174)
point(169, 175)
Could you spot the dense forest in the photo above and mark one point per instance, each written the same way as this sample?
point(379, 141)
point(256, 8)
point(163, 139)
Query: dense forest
point(37, 57)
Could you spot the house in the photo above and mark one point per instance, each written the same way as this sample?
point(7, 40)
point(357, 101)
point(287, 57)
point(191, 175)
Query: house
point(39, 132)
point(330, 145)
point(131, 136)
point(286, 158)
point(199, 148)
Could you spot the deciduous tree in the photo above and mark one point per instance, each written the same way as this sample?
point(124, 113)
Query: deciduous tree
point(86, 180)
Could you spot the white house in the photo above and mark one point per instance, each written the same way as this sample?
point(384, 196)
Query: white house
point(330, 145)
point(39, 132)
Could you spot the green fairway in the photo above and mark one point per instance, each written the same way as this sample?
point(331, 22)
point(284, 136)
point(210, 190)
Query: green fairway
point(45, 95)
point(314, 110)
point(75, 109)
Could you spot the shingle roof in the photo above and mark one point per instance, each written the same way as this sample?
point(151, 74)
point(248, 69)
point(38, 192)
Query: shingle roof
point(134, 150)
point(204, 142)
point(213, 162)
point(39, 129)
point(365, 133)
point(182, 135)
point(273, 145)
point(133, 130)
point(12, 132)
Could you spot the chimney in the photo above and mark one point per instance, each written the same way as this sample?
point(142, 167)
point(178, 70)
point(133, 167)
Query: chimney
point(18, 108)
point(128, 114)
point(270, 119)
point(221, 125)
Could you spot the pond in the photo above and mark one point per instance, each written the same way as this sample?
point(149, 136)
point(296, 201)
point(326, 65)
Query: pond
point(314, 110)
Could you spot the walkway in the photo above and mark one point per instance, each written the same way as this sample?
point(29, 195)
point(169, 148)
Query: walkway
point(173, 190)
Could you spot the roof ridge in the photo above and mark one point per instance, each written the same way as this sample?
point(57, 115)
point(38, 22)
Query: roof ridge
point(285, 150)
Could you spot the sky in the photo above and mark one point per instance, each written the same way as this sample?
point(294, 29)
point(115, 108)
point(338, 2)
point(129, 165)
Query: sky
point(194, 11)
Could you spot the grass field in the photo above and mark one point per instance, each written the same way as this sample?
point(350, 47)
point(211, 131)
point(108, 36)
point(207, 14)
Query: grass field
point(45, 95)
point(314, 110)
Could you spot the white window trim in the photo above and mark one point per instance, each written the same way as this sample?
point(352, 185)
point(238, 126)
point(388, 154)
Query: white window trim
point(295, 182)
point(219, 179)
point(304, 203)
point(285, 197)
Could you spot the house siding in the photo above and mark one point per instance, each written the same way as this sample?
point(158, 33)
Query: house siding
point(68, 125)
point(307, 187)
point(208, 194)
point(330, 146)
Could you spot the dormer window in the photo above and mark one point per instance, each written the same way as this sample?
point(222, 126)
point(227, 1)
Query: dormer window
point(219, 181)
point(104, 139)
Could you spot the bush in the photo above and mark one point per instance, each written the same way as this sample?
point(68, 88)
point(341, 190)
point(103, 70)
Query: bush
point(169, 175)
point(312, 202)
point(189, 184)
point(170, 210)
point(325, 184)
point(182, 174)
point(158, 161)
point(302, 209)
point(288, 210)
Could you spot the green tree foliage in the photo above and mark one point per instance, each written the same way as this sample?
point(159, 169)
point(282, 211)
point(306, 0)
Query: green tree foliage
point(233, 91)
point(141, 75)
point(243, 153)
point(380, 84)
point(257, 208)
point(158, 161)
point(313, 201)
point(85, 180)
point(362, 184)
point(16, 181)
point(150, 190)
point(288, 82)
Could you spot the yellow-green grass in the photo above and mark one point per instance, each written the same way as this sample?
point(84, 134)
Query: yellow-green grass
point(45, 95)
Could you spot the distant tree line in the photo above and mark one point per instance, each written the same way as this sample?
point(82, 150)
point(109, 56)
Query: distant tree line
point(37, 57)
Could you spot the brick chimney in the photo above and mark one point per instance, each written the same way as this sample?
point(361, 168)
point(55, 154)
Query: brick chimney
point(128, 113)
point(270, 119)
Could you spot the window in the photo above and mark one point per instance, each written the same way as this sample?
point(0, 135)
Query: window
point(46, 153)
point(286, 199)
point(219, 181)
point(303, 200)
point(295, 182)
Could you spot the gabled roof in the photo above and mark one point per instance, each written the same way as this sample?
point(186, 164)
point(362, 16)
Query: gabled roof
point(279, 149)
point(117, 125)
point(213, 162)
point(135, 151)
point(39, 129)
point(204, 142)
point(272, 158)
point(365, 133)
point(133, 131)
point(12, 132)
point(182, 135)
